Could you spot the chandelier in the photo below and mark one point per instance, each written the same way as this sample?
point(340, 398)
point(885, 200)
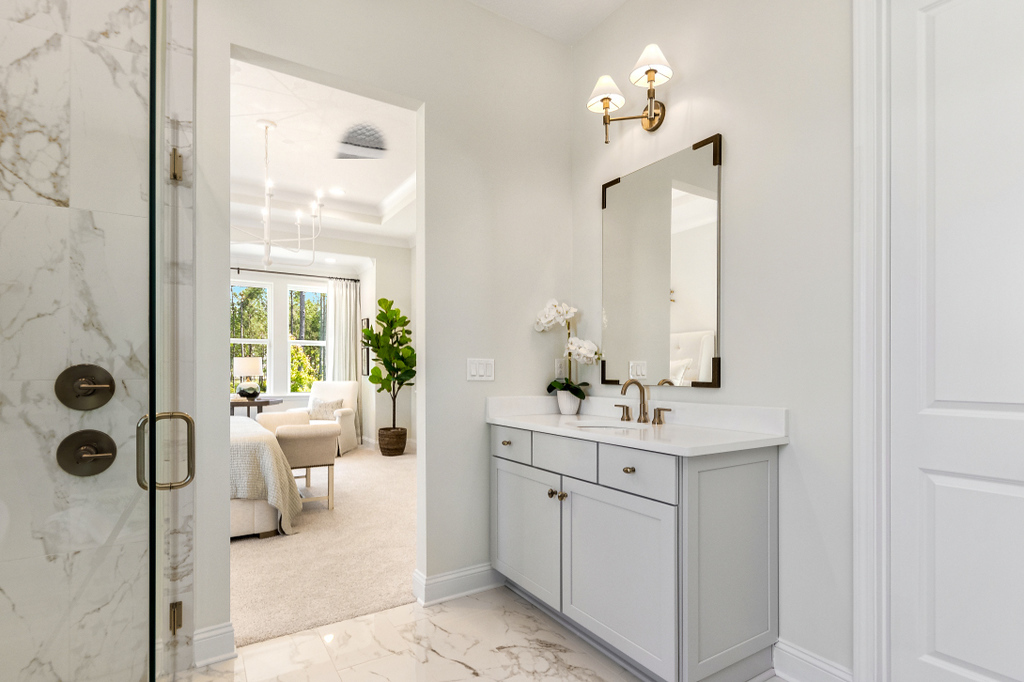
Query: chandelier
point(290, 244)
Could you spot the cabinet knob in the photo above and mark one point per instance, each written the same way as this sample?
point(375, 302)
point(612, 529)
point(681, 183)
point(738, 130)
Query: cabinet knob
point(506, 442)
point(552, 492)
point(629, 470)
point(562, 496)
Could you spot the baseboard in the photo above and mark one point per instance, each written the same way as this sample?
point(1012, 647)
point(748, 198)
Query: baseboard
point(765, 676)
point(214, 644)
point(795, 664)
point(445, 586)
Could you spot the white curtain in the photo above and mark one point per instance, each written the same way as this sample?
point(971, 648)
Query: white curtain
point(344, 337)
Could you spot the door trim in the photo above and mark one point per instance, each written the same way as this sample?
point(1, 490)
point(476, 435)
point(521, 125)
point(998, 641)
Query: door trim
point(871, 330)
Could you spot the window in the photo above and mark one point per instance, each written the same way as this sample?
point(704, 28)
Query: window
point(307, 338)
point(285, 324)
point(250, 316)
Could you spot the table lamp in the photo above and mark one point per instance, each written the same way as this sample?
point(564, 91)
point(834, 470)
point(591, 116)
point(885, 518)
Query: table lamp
point(247, 369)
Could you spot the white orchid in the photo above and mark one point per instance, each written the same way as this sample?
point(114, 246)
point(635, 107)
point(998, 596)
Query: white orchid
point(554, 313)
point(582, 351)
point(545, 321)
point(563, 313)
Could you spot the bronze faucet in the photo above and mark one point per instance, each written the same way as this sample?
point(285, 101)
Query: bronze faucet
point(642, 418)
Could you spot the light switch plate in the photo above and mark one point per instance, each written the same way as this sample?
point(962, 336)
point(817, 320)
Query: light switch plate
point(479, 369)
point(560, 370)
point(638, 369)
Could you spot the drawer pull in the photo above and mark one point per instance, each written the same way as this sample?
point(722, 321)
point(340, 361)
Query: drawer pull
point(552, 492)
point(506, 442)
point(562, 496)
point(629, 470)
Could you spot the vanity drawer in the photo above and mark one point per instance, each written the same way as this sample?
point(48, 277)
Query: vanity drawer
point(514, 444)
point(654, 476)
point(576, 458)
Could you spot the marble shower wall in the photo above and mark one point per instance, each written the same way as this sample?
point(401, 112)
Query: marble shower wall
point(74, 555)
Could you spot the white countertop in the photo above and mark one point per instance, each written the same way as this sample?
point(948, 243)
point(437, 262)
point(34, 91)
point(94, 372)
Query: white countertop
point(681, 440)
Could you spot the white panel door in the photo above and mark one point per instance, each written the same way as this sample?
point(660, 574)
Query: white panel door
point(957, 278)
point(619, 562)
point(526, 528)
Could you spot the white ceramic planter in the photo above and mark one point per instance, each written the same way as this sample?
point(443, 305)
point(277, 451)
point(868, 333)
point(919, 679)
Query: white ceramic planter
point(567, 402)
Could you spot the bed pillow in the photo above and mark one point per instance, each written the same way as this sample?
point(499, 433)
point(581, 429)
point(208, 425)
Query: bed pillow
point(324, 409)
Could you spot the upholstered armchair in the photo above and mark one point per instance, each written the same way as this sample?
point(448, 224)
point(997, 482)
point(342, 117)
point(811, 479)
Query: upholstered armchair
point(320, 410)
point(305, 444)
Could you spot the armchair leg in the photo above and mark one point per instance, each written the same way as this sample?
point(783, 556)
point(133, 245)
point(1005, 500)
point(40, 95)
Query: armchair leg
point(307, 477)
point(330, 486)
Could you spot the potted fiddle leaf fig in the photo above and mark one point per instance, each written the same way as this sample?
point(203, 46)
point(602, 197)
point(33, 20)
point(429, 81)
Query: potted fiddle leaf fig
point(395, 368)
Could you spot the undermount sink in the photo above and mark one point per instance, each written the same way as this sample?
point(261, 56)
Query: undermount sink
point(610, 425)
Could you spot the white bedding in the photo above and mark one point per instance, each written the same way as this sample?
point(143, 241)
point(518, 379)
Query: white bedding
point(260, 471)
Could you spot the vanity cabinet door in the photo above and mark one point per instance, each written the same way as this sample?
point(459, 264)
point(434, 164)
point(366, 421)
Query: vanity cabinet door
point(526, 528)
point(619, 557)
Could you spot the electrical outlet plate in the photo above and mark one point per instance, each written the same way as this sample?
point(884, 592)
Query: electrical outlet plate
point(479, 369)
point(560, 370)
point(638, 369)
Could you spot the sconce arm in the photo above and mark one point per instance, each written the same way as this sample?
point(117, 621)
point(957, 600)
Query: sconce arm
point(627, 118)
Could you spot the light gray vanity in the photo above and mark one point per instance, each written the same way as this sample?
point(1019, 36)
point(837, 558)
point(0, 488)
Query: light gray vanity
point(658, 542)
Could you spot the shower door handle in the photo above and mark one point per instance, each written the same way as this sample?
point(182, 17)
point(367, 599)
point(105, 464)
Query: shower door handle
point(140, 450)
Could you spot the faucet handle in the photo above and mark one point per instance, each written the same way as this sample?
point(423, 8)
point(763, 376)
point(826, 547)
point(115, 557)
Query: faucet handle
point(659, 414)
point(627, 413)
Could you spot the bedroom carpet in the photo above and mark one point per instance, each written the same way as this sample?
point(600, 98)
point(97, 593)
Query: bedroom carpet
point(354, 560)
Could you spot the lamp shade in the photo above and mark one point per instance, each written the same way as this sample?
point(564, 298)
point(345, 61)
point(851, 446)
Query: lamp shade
point(652, 58)
point(248, 367)
point(605, 87)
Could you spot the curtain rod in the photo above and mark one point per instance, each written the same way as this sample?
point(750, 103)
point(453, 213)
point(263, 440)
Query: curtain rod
point(293, 274)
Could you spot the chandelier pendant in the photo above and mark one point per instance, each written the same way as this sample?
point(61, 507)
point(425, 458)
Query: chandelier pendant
point(289, 244)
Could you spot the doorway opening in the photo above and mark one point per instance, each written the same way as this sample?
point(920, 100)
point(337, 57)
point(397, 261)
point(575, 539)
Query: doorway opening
point(323, 226)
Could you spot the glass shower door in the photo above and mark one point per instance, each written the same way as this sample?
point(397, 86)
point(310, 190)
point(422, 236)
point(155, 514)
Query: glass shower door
point(169, 428)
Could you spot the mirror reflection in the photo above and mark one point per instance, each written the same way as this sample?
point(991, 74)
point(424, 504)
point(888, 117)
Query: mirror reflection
point(660, 271)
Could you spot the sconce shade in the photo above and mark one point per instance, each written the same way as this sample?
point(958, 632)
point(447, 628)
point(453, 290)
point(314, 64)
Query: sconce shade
point(248, 367)
point(605, 87)
point(652, 58)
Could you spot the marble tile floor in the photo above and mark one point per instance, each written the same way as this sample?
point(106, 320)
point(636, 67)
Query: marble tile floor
point(493, 635)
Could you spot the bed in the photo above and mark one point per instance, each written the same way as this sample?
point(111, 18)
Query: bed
point(264, 495)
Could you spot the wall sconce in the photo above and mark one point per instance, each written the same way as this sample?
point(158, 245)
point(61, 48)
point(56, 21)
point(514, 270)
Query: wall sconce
point(651, 69)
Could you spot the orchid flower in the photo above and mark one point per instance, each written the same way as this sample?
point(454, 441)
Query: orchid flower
point(554, 313)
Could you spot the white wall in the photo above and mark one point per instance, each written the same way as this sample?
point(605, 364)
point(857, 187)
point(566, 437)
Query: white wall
point(493, 210)
point(775, 80)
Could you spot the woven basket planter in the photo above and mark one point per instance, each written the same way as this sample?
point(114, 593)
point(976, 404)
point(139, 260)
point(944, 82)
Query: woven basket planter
point(392, 441)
